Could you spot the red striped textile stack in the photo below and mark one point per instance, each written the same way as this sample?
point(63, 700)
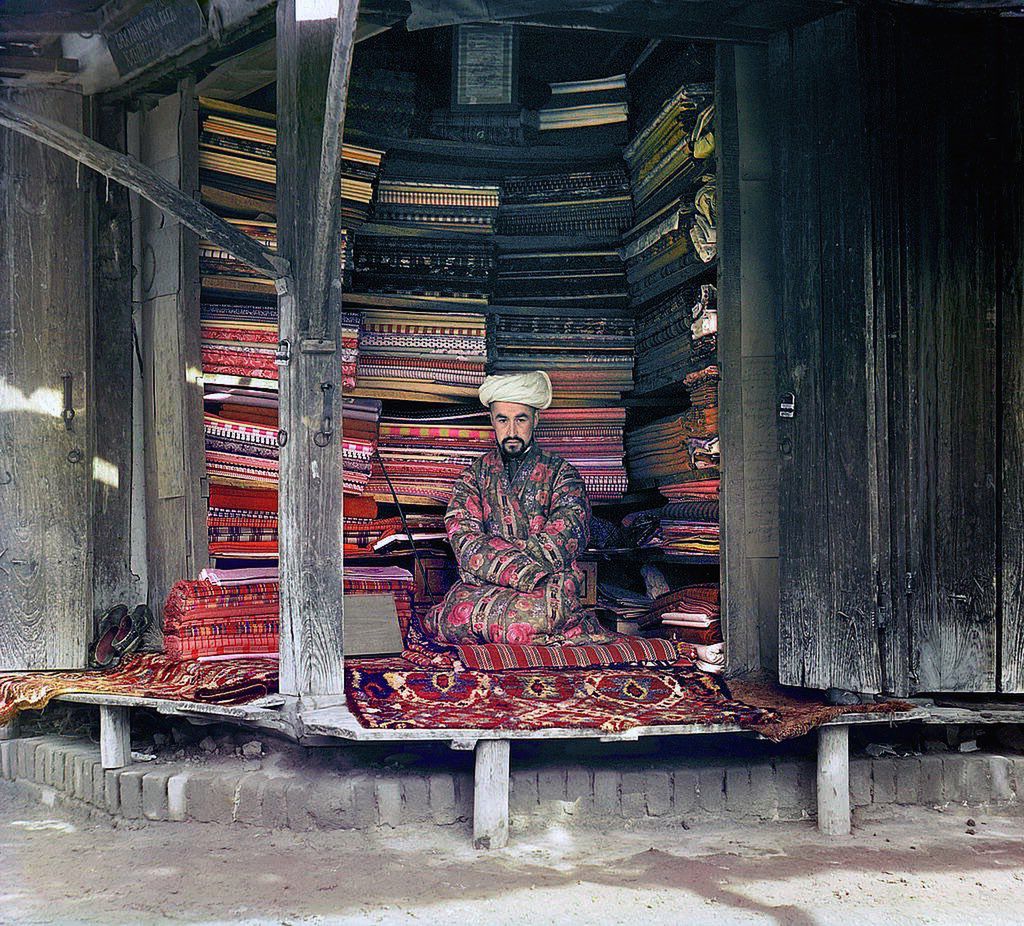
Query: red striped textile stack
point(237, 612)
point(591, 439)
point(424, 455)
point(420, 355)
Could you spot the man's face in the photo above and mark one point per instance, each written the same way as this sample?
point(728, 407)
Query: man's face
point(513, 426)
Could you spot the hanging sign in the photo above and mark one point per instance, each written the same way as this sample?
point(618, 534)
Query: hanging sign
point(157, 31)
point(484, 67)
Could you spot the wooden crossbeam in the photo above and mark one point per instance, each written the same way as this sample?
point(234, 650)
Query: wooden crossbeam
point(147, 183)
point(23, 64)
point(325, 275)
point(57, 22)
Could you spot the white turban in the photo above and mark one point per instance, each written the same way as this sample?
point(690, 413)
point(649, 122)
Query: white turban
point(533, 389)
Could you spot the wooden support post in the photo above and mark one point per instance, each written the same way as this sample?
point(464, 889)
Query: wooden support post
point(113, 376)
point(310, 491)
point(834, 780)
point(115, 736)
point(9, 730)
point(490, 795)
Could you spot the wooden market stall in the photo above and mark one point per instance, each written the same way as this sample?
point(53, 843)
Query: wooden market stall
point(868, 278)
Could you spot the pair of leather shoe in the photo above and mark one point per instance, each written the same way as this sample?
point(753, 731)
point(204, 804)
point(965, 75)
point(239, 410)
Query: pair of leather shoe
point(120, 632)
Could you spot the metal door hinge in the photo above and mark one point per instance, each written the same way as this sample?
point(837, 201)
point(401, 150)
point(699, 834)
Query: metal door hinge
point(787, 405)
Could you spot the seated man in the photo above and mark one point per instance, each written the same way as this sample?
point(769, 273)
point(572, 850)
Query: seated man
point(518, 518)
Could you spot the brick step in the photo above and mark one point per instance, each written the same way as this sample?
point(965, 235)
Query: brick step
point(60, 769)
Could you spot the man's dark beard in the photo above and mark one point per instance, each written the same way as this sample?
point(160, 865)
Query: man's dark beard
point(520, 444)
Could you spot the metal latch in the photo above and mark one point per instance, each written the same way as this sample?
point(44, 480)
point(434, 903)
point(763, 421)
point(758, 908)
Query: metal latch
point(910, 583)
point(68, 414)
point(284, 353)
point(787, 405)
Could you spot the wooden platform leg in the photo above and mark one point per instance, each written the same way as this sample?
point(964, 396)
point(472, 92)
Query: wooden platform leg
point(9, 730)
point(490, 795)
point(115, 736)
point(834, 780)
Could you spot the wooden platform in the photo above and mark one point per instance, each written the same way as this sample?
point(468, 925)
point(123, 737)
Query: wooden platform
point(280, 715)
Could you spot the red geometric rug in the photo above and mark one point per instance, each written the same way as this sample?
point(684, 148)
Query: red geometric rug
point(146, 675)
point(389, 694)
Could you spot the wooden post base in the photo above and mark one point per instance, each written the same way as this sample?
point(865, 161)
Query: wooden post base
point(834, 780)
point(490, 795)
point(115, 736)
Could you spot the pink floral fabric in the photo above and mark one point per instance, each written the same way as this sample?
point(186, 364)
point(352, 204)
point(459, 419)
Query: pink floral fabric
point(516, 546)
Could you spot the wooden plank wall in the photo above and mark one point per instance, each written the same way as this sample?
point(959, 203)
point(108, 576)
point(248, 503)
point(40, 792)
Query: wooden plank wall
point(1010, 258)
point(172, 364)
point(746, 297)
point(113, 376)
point(45, 330)
point(829, 556)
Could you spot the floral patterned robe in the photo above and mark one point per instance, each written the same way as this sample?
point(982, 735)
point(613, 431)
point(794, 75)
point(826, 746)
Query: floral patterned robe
point(516, 546)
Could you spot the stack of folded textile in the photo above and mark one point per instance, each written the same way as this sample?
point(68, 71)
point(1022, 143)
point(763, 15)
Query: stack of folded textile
point(677, 448)
point(222, 272)
point(676, 334)
point(238, 170)
point(424, 455)
point(591, 440)
point(588, 357)
point(381, 101)
point(621, 609)
point(236, 612)
point(702, 388)
point(673, 195)
point(242, 522)
point(585, 111)
point(242, 449)
point(239, 341)
point(417, 355)
point(386, 534)
point(555, 279)
point(704, 327)
point(579, 204)
point(468, 207)
point(690, 616)
point(688, 528)
point(452, 268)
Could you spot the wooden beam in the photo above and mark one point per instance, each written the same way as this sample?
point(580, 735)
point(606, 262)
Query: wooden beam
point(147, 183)
point(490, 795)
point(326, 272)
point(310, 491)
point(38, 64)
point(55, 22)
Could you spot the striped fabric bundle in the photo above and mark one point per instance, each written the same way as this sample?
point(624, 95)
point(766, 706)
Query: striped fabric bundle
point(238, 161)
point(424, 456)
point(420, 355)
point(591, 439)
point(203, 619)
point(593, 204)
point(659, 453)
point(464, 207)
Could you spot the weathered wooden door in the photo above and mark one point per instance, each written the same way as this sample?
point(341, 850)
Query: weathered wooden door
point(833, 559)
point(45, 461)
point(902, 523)
point(944, 212)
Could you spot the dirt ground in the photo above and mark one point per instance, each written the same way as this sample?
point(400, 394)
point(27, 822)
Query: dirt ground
point(924, 867)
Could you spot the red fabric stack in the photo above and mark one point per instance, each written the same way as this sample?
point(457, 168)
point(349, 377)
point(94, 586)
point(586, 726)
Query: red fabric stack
point(203, 619)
